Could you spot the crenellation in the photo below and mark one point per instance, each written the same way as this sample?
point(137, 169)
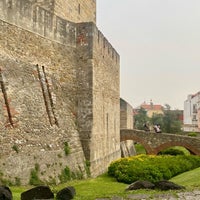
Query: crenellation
point(105, 46)
point(50, 25)
point(39, 19)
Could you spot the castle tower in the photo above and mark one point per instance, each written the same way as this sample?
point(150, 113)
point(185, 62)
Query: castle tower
point(59, 88)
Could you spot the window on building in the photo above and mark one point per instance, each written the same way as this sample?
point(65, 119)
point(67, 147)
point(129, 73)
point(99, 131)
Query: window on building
point(194, 108)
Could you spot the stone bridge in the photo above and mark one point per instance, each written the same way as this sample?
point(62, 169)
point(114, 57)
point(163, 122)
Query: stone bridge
point(156, 142)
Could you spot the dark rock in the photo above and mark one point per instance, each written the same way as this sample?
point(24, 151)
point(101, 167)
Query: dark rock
point(39, 192)
point(5, 193)
point(140, 185)
point(66, 193)
point(168, 185)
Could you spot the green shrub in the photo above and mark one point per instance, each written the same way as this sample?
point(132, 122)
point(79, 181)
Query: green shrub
point(77, 175)
point(171, 151)
point(87, 168)
point(34, 177)
point(192, 134)
point(66, 148)
point(151, 168)
point(165, 171)
point(65, 175)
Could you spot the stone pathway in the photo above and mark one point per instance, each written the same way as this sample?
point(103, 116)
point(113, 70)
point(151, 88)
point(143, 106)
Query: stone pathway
point(193, 195)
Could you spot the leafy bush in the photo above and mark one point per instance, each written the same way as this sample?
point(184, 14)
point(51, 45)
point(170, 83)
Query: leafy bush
point(192, 134)
point(66, 148)
point(87, 168)
point(65, 175)
point(34, 177)
point(151, 168)
point(171, 151)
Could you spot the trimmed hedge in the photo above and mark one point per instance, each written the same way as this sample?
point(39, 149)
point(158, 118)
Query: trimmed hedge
point(151, 168)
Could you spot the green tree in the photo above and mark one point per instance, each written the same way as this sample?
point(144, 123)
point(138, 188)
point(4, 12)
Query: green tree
point(168, 121)
point(157, 119)
point(140, 118)
point(171, 122)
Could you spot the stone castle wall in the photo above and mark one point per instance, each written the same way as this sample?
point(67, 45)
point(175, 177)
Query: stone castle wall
point(100, 138)
point(126, 122)
point(76, 11)
point(59, 83)
point(39, 18)
point(38, 104)
point(70, 10)
point(106, 115)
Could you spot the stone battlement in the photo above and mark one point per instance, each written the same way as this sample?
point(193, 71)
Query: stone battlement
point(40, 19)
point(104, 44)
point(75, 11)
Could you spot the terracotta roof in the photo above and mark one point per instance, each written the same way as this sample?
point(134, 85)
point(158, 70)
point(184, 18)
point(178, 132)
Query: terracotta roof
point(151, 107)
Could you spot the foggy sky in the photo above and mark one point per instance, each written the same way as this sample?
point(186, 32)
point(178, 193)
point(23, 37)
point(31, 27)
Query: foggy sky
point(159, 46)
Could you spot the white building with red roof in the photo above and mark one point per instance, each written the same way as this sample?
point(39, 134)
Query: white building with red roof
point(191, 113)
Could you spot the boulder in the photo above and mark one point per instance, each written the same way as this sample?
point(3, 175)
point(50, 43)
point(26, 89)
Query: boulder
point(168, 185)
point(140, 185)
point(39, 192)
point(5, 193)
point(66, 193)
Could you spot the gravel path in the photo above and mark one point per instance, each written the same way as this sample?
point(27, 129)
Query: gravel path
point(192, 195)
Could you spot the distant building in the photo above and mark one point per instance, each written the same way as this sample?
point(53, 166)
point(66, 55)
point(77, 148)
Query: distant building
point(152, 108)
point(192, 113)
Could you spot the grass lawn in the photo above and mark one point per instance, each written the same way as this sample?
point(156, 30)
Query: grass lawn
point(105, 186)
point(188, 179)
point(102, 186)
point(139, 149)
point(90, 189)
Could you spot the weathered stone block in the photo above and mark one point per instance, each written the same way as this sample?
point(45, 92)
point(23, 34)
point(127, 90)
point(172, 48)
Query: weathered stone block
point(66, 193)
point(5, 193)
point(39, 192)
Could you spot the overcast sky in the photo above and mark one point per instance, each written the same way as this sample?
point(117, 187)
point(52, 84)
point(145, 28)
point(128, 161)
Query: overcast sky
point(159, 46)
